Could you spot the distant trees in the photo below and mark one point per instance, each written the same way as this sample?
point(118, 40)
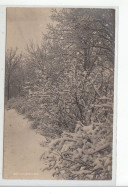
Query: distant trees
point(13, 73)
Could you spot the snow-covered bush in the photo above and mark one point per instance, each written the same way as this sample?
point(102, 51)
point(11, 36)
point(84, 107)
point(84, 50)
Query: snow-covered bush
point(85, 154)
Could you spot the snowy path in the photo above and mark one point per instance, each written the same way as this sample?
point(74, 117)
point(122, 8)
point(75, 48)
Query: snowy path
point(22, 149)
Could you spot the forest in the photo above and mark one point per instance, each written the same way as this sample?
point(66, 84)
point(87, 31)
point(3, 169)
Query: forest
point(65, 86)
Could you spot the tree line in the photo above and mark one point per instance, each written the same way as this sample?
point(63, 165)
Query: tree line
point(75, 62)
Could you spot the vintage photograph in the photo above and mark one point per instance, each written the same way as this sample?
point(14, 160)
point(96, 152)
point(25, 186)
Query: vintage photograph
point(59, 93)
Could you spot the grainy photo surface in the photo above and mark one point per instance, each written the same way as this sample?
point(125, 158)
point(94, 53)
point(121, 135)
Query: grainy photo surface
point(59, 90)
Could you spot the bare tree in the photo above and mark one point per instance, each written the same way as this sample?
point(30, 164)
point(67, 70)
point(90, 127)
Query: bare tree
point(12, 63)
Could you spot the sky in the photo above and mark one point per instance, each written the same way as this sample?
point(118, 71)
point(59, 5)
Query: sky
point(25, 25)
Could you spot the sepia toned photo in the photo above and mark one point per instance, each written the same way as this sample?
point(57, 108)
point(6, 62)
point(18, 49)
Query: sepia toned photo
point(59, 93)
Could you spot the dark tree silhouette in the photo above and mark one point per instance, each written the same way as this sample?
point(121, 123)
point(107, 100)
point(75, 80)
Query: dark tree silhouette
point(12, 68)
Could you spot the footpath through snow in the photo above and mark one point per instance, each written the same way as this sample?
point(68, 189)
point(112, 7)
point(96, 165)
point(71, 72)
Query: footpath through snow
point(22, 149)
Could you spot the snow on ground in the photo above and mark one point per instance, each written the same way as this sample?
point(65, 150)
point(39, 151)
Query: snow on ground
point(22, 149)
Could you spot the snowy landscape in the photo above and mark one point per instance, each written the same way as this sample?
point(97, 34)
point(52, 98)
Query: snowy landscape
point(59, 95)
